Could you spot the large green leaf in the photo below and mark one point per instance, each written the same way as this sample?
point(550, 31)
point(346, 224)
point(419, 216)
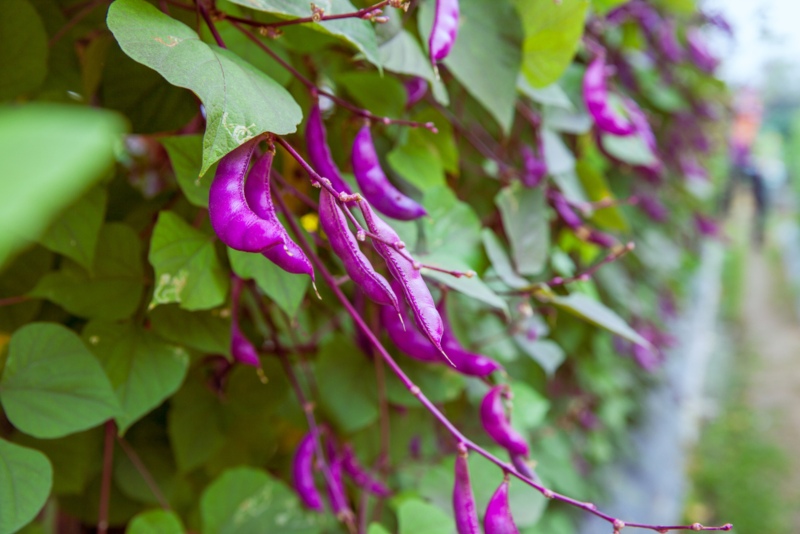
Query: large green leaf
point(548, 354)
point(418, 517)
point(597, 188)
point(155, 522)
point(525, 215)
point(359, 33)
point(25, 480)
point(500, 260)
point(553, 31)
point(487, 54)
point(382, 95)
point(111, 290)
point(285, 289)
point(23, 41)
point(75, 233)
point(206, 331)
point(241, 101)
point(19, 277)
point(52, 385)
point(404, 55)
point(187, 268)
point(186, 156)
point(54, 154)
point(245, 500)
point(143, 369)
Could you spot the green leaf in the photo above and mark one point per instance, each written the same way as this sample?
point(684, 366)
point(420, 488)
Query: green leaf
point(473, 287)
point(155, 522)
point(343, 365)
point(404, 55)
point(524, 214)
point(206, 331)
point(76, 232)
point(377, 528)
point(241, 102)
point(597, 188)
point(143, 369)
point(382, 95)
point(418, 517)
point(604, 6)
point(631, 149)
point(285, 289)
point(245, 500)
point(19, 278)
point(548, 354)
point(500, 260)
point(553, 31)
point(187, 268)
point(357, 32)
point(596, 313)
point(52, 385)
point(487, 54)
point(551, 95)
point(439, 383)
point(530, 407)
point(186, 156)
point(56, 153)
point(113, 288)
point(25, 480)
point(23, 41)
point(419, 164)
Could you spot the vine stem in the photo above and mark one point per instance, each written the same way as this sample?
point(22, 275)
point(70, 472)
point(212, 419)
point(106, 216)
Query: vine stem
point(313, 18)
point(343, 199)
point(587, 274)
point(105, 481)
point(144, 472)
point(8, 301)
point(443, 420)
point(210, 23)
point(311, 86)
point(79, 16)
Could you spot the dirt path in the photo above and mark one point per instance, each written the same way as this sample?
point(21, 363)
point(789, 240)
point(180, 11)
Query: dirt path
point(772, 332)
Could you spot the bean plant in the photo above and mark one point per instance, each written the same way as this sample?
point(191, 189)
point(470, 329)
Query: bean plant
point(280, 266)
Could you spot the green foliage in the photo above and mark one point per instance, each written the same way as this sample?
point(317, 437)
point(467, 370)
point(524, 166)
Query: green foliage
point(115, 309)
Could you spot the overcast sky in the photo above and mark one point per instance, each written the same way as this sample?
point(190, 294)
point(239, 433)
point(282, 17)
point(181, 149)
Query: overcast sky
point(765, 29)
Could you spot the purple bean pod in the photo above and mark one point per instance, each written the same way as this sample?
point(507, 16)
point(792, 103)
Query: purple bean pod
point(600, 238)
point(374, 184)
point(335, 486)
point(533, 165)
point(286, 255)
point(412, 284)
point(362, 478)
point(303, 474)
point(241, 349)
point(464, 361)
point(563, 209)
point(667, 42)
point(521, 464)
point(416, 88)
point(498, 518)
point(344, 244)
point(464, 509)
point(444, 30)
point(595, 95)
point(232, 219)
point(319, 154)
point(707, 226)
point(493, 418)
point(406, 336)
point(698, 52)
point(642, 125)
point(653, 208)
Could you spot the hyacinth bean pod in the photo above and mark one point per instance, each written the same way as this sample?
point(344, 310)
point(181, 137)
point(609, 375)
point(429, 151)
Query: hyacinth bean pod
point(595, 95)
point(600, 238)
point(286, 254)
point(416, 88)
point(374, 184)
point(444, 30)
point(667, 42)
point(465, 362)
point(318, 151)
point(698, 52)
point(493, 418)
point(408, 276)
point(241, 349)
point(464, 509)
point(563, 209)
point(498, 519)
point(653, 208)
point(361, 476)
point(231, 217)
point(335, 484)
point(303, 474)
point(642, 125)
point(406, 336)
point(345, 245)
point(533, 165)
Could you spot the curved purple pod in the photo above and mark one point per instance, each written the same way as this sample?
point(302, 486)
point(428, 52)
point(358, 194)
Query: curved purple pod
point(345, 245)
point(493, 418)
point(533, 165)
point(409, 278)
point(464, 509)
point(375, 185)
point(407, 337)
point(595, 95)
point(563, 209)
point(286, 254)
point(466, 362)
point(498, 519)
point(642, 125)
point(698, 52)
point(335, 486)
point(667, 42)
point(231, 217)
point(444, 30)
point(361, 476)
point(319, 154)
point(303, 474)
point(600, 238)
point(416, 88)
point(241, 349)
point(653, 208)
